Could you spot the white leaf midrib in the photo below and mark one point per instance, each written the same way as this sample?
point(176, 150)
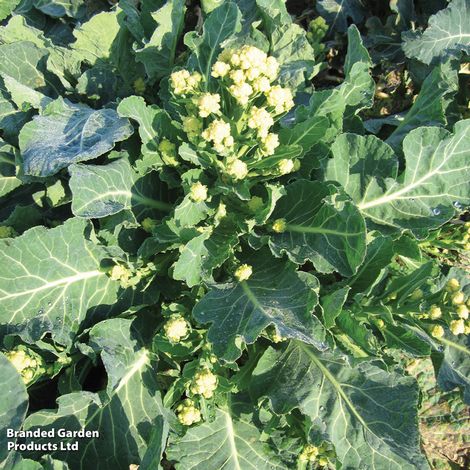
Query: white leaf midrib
point(66, 281)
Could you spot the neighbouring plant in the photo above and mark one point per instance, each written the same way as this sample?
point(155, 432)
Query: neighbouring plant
point(217, 249)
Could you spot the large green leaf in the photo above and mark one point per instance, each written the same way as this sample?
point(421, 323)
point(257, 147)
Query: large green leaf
point(24, 61)
point(69, 133)
point(434, 182)
point(322, 226)
point(220, 25)
point(240, 311)
point(51, 282)
point(105, 43)
point(17, 462)
point(448, 33)
point(305, 133)
point(378, 257)
point(358, 87)
point(24, 96)
point(158, 54)
point(454, 370)
point(14, 404)
point(7, 7)
point(332, 305)
point(11, 118)
point(154, 124)
point(102, 190)
point(429, 108)
point(96, 39)
point(8, 179)
point(124, 415)
point(406, 339)
point(230, 442)
point(294, 53)
point(201, 255)
point(369, 415)
point(337, 12)
point(63, 62)
point(370, 158)
point(58, 8)
point(189, 213)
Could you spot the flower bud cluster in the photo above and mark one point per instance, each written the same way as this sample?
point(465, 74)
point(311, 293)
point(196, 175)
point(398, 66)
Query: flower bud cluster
point(29, 364)
point(319, 455)
point(7, 232)
point(455, 314)
point(176, 328)
point(243, 272)
point(188, 413)
point(168, 152)
point(204, 383)
point(233, 114)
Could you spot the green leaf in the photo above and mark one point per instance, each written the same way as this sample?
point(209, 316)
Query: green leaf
point(51, 282)
point(154, 123)
point(356, 50)
point(356, 337)
point(99, 82)
point(102, 190)
point(296, 57)
point(231, 441)
point(435, 179)
point(200, 256)
point(337, 12)
point(405, 339)
point(448, 33)
point(367, 413)
point(69, 133)
point(454, 371)
point(96, 39)
point(158, 54)
point(7, 7)
point(323, 226)
point(62, 61)
point(24, 96)
point(189, 213)
point(58, 8)
point(403, 286)
point(14, 404)
point(8, 179)
point(124, 415)
point(358, 87)
point(239, 312)
point(306, 133)
point(105, 41)
point(378, 256)
point(219, 26)
point(329, 103)
point(24, 62)
point(430, 106)
point(369, 156)
point(332, 305)
point(288, 43)
point(274, 12)
point(11, 119)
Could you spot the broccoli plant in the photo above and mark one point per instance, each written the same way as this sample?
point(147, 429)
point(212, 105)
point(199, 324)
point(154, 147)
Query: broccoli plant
point(210, 257)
